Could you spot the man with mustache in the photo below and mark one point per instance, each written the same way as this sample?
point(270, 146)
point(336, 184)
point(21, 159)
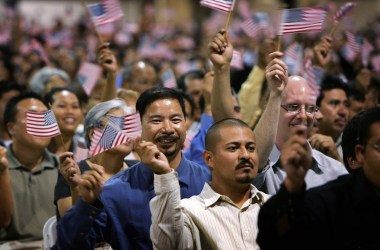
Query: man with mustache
point(118, 212)
point(224, 214)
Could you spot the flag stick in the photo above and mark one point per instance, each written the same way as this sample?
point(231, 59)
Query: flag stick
point(333, 30)
point(278, 42)
point(89, 16)
point(228, 20)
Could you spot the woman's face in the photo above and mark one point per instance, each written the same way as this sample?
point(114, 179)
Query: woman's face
point(67, 111)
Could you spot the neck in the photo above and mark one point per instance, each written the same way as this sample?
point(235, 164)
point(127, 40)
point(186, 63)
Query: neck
point(175, 160)
point(27, 156)
point(238, 193)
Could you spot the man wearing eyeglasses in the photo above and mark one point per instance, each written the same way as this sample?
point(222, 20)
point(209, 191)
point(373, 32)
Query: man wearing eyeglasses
point(291, 103)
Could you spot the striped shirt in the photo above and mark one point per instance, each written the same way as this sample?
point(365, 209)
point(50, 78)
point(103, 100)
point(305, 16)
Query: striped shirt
point(206, 221)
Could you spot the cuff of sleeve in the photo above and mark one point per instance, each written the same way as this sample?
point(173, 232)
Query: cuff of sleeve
point(166, 182)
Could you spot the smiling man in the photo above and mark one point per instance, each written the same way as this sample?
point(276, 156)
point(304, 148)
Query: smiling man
point(118, 213)
point(224, 214)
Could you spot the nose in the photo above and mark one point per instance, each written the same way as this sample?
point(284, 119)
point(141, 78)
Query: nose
point(167, 126)
point(244, 153)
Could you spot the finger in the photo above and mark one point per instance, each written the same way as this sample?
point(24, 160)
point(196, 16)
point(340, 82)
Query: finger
point(65, 155)
point(97, 168)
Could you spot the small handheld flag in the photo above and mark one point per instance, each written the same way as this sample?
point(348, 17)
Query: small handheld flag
point(343, 11)
point(302, 20)
point(222, 5)
point(106, 11)
point(42, 124)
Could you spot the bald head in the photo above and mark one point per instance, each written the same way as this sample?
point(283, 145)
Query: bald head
point(298, 85)
point(213, 134)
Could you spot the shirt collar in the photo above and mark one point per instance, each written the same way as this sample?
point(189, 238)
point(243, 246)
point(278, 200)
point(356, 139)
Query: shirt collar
point(49, 161)
point(210, 197)
point(274, 159)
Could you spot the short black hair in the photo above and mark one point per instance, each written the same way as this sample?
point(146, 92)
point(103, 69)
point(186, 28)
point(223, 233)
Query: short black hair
point(331, 82)
point(213, 132)
point(49, 97)
point(350, 138)
point(7, 86)
point(158, 93)
point(10, 111)
point(368, 118)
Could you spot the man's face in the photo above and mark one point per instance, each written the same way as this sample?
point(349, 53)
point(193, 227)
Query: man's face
point(370, 156)
point(145, 77)
point(334, 107)
point(297, 92)
point(234, 159)
point(164, 124)
point(18, 128)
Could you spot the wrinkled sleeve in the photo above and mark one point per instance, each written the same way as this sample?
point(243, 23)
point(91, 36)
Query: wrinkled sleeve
point(171, 228)
point(81, 226)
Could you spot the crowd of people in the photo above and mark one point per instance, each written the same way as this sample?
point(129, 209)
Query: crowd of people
point(266, 155)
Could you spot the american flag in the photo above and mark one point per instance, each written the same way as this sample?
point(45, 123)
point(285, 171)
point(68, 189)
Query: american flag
point(375, 61)
point(129, 124)
point(301, 20)
point(367, 48)
point(35, 46)
point(222, 5)
point(106, 11)
point(354, 41)
point(343, 11)
point(88, 75)
point(110, 138)
point(237, 61)
point(42, 124)
point(308, 72)
point(252, 25)
point(168, 79)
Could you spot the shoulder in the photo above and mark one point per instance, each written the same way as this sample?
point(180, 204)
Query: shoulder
point(327, 162)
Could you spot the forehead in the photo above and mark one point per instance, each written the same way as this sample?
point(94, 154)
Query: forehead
point(31, 104)
point(375, 132)
point(64, 95)
point(163, 107)
point(298, 91)
point(230, 134)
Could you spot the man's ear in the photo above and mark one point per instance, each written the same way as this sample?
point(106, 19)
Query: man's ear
point(360, 153)
point(208, 158)
point(10, 128)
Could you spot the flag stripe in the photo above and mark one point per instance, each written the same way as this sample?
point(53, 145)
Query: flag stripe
point(42, 124)
point(222, 5)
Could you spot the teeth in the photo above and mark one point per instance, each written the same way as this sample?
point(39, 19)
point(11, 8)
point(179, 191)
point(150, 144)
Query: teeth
point(69, 120)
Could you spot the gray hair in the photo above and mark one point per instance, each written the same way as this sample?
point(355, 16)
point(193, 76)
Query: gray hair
point(96, 114)
point(42, 76)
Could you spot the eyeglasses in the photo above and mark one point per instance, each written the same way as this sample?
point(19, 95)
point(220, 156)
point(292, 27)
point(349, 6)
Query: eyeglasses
point(296, 108)
point(375, 147)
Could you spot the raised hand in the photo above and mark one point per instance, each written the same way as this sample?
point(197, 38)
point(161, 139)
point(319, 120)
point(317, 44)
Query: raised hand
point(220, 50)
point(69, 169)
point(321, 51)
point(91, 183)
point(152, 157)
point(106, 59)
point(326, 145)
point(276, 72)
point(296, 159)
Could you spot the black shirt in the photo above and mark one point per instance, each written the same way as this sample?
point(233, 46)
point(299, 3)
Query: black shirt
point(342, 214)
